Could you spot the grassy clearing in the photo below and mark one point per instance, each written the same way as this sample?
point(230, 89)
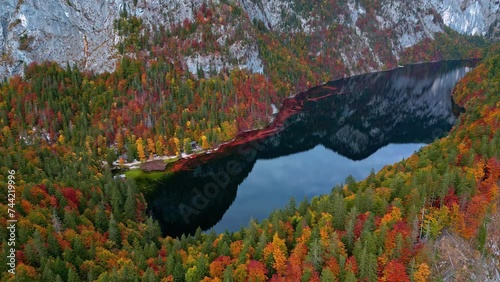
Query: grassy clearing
point(172, 160)
point(137, 173)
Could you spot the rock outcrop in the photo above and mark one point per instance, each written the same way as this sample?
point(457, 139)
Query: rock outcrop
point(82, 32)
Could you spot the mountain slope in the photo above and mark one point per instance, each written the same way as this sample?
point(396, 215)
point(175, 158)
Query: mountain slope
point(76, 223)
point(83, 32)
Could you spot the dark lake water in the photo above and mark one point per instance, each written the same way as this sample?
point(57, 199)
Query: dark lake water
point(345, 127)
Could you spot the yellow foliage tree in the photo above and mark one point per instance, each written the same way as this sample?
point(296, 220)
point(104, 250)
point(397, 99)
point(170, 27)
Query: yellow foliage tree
point(119, 142)
point(240, 273)
point(393, 216)
point(306, 234)
point(61, 139)
point(279, 254)
point(151, 146)
point(436, 220)
point(177, 143)
point(140, 149)
point(422, 273)
point(204, 143)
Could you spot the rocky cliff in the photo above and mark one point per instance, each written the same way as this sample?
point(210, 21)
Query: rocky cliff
point(82, 32)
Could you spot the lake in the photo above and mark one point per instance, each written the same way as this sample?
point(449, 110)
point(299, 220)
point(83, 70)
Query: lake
point(319, 137)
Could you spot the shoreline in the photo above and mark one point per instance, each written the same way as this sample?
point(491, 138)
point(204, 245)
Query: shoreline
point(290, 106)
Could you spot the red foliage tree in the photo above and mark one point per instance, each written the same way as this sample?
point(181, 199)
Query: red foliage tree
point(395, 271)
point(218, 265)
point(256, 271)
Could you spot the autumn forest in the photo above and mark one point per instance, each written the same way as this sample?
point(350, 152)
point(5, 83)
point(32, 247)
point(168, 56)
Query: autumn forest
point(62, 128)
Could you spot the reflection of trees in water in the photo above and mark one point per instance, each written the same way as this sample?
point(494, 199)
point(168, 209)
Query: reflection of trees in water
point(407, 105)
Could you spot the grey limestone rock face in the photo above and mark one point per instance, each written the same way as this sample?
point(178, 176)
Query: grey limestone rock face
point(81, 32)
point(63, 31)
point(466, 16)
point(74, 31)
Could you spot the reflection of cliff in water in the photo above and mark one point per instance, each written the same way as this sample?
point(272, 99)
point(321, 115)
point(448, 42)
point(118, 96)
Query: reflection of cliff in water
point(353, 117)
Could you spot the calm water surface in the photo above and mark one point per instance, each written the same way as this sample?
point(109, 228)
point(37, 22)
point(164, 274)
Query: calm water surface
point(345, 127)
point(305, 174)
